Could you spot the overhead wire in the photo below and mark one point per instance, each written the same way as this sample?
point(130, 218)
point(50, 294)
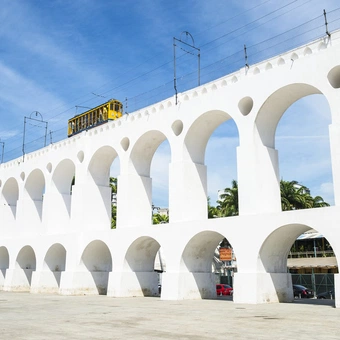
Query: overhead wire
point(153, 70)
point(167, 63)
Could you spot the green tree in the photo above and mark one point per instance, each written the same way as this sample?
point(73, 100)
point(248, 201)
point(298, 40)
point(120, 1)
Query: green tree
point(294, 196)
point(228, 202)
point(160, 219)
point(213, 211)
point(113, 185)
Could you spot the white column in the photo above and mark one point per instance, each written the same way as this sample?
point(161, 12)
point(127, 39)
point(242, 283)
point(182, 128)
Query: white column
point(334, 139)
point(262, 288)
point(258, 180)
point(129, 284)
point(134, 200)
point(187, 191)
point(57, 209)
point(91, 206)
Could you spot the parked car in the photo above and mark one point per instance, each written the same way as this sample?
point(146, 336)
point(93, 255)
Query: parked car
point(223, 289)
point(302, 292)
point(326, 295)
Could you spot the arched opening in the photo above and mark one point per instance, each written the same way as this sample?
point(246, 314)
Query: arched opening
point(25, 265)
point(138, 184)
point(301, 132)
point(302, 140)
point(98, 200)
point(312, 263)
point(286, 267)
point(60, 197)
point(210, 145)
point(55, 260)
point(221, 165)
point(159, 172)
point(139, 267)
point(97, 261)
point(33, 196)
point(9, 199)
point(208, 260)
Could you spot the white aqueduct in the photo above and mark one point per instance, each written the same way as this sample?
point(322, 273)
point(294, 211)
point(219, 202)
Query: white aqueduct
point(61, 242)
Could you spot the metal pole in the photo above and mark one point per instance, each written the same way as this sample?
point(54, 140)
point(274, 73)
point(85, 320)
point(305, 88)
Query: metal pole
point(326, 23)
point(198, 56)
point(199, 68)
point(175, 85)
point(23, 141)
point(45, 133)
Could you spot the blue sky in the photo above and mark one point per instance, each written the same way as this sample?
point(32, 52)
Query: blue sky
point(56, 55)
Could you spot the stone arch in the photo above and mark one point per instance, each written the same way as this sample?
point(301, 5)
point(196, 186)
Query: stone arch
point(9, 197)
point(55, 258)
point(272, 259)
point(96, 259)
point(143, 151)
point(274, 250)
point(140, 192)
point(99, 166)
point(61, 187)
point(35, 185)
point(196, 265)
point(25, 265)
point(275, 106)
point(140, 259)
point(98, 191)
point(53, 266)
point(200, 131)
point(34, 191)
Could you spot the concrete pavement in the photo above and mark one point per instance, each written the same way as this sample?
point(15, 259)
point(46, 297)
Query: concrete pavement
point(38, 316)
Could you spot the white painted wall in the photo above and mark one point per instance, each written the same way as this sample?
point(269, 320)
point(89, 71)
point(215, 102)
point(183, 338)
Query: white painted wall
point(55, 238)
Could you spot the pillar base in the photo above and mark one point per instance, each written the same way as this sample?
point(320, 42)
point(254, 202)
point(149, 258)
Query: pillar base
point(18, 280)
point(45, 282)
point(84, 283)
point(188, 286)
point(2, 278)
point(262, 288)
point(130, 284)
point(337, 290)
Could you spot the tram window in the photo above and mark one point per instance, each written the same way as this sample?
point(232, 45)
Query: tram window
point(111, 106)
point(117, 107)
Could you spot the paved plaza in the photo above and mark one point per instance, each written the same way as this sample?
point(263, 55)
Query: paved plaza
point(32, 316)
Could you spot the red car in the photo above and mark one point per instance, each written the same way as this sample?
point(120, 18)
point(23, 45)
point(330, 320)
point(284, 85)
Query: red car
point(223, 289)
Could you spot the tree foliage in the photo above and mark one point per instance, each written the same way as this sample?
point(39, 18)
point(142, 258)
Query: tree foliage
point(294, 196)
point(113, 185)
point(160, 219)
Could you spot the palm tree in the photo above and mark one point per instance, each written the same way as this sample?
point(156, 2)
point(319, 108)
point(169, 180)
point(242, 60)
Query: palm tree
point(160, 219)
point(318, 202)
point(294, 196)
point(228, 202)
point(213, 211)
point(113, 185)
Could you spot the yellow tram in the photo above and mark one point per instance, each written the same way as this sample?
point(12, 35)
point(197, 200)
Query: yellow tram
point(112, 109)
